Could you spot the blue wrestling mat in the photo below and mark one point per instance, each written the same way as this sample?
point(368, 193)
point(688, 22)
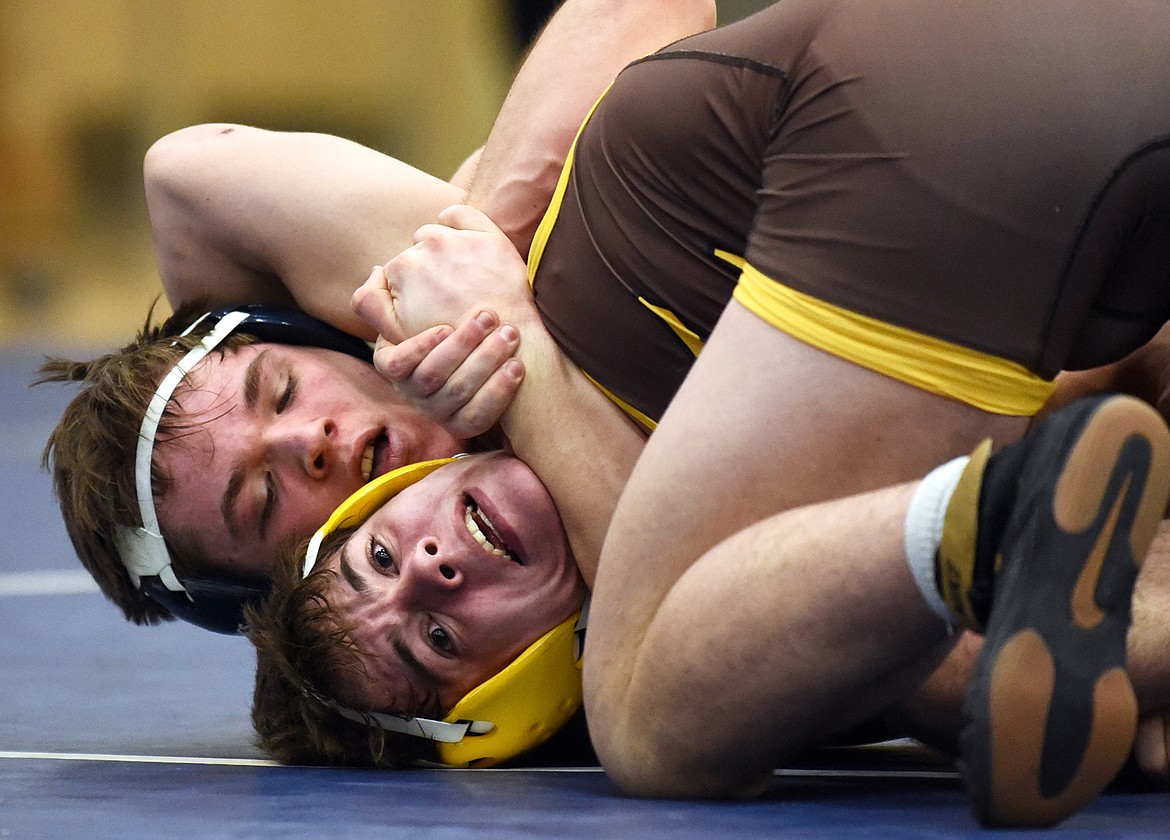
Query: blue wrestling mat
point(114, 731)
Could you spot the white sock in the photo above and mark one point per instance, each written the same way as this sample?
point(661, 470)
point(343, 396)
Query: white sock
point(923, 531)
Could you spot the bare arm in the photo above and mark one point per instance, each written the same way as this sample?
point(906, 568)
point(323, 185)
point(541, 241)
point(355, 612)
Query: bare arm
point(580, 444)
point(574, 438)
point(466, 171)
point(244, 215)
point(241, 214)
point(581, 50)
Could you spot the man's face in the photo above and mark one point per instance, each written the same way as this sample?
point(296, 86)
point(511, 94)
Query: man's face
point(285, 435)
point(448, 582)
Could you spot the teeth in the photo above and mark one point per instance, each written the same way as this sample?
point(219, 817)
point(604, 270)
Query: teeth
point(367, 462)
point(478, 534)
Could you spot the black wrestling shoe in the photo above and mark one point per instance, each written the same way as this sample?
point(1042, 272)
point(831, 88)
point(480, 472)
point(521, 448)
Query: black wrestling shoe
point(1050, 713)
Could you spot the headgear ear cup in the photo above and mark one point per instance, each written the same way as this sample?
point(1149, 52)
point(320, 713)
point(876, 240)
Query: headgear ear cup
point(527, 703)
point(215, 605)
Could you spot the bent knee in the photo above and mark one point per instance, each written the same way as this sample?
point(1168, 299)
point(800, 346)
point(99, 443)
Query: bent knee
point(652, 766)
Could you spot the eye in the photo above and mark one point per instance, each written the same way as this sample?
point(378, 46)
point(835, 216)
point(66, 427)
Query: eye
point(380, 556)
point(441, 640)
point(286, 396)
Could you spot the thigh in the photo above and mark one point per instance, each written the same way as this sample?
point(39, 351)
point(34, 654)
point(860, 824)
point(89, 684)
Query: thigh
point(763, 424)
point(705, 600)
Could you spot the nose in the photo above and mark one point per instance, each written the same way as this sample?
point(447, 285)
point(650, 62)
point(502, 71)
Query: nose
point(430, 574)
point(308, 444)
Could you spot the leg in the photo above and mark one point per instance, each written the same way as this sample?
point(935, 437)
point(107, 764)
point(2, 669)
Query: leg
point(797, 621)
point(1149, 640)
point(782, 623)
point(813, 648)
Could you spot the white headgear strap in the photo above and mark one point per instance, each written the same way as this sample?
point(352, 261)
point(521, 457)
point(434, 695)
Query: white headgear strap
point(143, 550)
point(447, 732)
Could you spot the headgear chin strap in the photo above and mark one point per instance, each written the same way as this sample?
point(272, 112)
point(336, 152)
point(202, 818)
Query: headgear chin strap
point(517, 709)
point(212, 604)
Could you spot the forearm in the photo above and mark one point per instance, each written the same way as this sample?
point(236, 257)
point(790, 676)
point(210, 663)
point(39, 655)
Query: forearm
point(584, 46)
point(580, 444)
point(239, 214)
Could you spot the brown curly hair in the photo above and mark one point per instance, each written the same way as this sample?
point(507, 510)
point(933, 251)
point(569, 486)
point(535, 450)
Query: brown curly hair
point(303, 652)
point(91, 453)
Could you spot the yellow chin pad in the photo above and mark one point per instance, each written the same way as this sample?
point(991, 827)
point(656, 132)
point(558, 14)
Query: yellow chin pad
point(527, 702)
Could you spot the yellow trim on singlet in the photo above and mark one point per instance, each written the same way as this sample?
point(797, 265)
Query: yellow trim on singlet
point(647, 422)
point(544, 229)
point(735, 259)
point(540, 240)
point(979, 379)
point(688, 336)
point(690, 339)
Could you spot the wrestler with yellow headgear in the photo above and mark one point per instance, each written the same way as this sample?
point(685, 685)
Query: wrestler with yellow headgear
point(463, 572)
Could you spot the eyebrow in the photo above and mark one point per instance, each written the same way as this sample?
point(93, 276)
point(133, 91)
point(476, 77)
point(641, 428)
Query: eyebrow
point(252, 378)
point(350, 574)
point(231, 493)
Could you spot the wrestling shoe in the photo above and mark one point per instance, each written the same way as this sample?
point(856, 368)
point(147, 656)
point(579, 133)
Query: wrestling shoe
point(1050, 714)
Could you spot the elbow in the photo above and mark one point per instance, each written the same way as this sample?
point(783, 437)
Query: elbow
point(166, 160)
point(175, 155)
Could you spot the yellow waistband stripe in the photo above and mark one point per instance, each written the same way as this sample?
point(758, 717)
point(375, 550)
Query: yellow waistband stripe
point(979, 379)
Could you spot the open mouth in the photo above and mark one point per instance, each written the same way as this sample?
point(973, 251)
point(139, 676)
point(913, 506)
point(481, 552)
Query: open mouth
point(374, 454)
point(484, 532)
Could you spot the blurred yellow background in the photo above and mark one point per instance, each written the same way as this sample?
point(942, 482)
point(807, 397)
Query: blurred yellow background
point(87, 85)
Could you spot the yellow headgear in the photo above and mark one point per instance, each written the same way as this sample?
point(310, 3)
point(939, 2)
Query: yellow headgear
point(514, 711)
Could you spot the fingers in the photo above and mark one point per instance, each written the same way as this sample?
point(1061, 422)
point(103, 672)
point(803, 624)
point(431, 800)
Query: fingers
point(430, 233)
point(458, 217)
point(398, 362)
point(457, 361)
point(466, 217)
point(484, 410)
point(373, 303)
point(463, 378)
point(373, 285)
